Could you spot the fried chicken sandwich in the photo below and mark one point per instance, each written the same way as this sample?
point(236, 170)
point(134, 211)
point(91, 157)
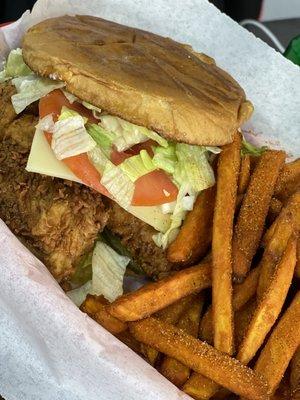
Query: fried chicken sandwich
point(106, 127)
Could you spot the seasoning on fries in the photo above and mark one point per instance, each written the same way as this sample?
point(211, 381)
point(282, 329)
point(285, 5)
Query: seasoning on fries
point(295, 375)
point(171, 368)
point(242, 293)
point(244, 174)
point(200, 357)
point(242, 319)
point(288, 181)
point(97, 308)
point(155, 296)
point(171, 315)
point(254, 209)
point(270, 305)
point(297, 269)
point(227, 179)
point(200, 387)
point(282, 228)
point(280, 347)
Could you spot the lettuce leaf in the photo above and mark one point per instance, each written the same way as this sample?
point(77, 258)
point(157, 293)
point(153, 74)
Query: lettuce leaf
point(182, 205)
point(79, 294)
point(165, 158)
point(113, 178)
point(108, 271)
point(128, 134)
point(136, 166)
point(118, 184)
point(15, 65)
point(115, 243)
point(31, 88)
point(68, 113)
point(103, 138)
point(70, 138)
point(249, 148)
point(193, 167)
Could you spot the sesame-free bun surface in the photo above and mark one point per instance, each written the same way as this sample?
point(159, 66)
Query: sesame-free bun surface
point(139, 76)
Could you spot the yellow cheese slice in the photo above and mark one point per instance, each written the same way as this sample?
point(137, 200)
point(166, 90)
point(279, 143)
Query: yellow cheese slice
point(43, 161)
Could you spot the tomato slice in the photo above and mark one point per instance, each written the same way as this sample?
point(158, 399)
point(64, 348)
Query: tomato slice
point(151, 189)
point(80, 165)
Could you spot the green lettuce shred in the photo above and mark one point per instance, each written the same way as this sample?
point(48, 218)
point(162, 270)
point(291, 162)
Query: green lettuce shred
point(252, 150)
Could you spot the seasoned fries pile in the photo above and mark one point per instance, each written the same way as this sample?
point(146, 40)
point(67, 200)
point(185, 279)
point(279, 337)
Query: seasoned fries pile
point(227, 324)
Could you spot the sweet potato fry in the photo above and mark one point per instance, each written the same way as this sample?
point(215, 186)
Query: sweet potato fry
point(171, 315)
point(295, 376)
point(274, 210)
point(200, 357)
point(244, 174)
point(291, 209)
point(194, 237)
point(283, 391)
point(92, 304)
point(227, 179)
point(253, 212)
point(270, 305)
point(242, 293)
point(155, 296)
point(199, 387)
point(297, 269)
point(97, 308)
point(172, 369)
point(202, 388)
point(287, 222)
point(127, 338)
point(281, 346)
point(288, 181)
point(242, 320)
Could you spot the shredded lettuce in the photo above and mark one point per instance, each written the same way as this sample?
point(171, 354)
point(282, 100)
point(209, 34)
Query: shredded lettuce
point(98, 158)
point(68, 113)
point(136, 166)
point(118, 184)
point(70, 138)
point(46, 124)
point(115, 243)
point(113, 178)
point(79, 294)
point(101, 272)
point(15, 65)
point(103, 138)
point(164, 239)
point(3, 77)
point(193, 167)
point(249, 148)
point(128, 134)
point(108, 271)
point(31, 88)
point(165, 158)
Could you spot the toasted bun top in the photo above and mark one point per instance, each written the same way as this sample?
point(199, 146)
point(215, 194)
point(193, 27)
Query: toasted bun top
point(142, 77)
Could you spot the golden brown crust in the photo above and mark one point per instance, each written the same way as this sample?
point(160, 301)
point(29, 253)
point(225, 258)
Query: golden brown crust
point(144, 78)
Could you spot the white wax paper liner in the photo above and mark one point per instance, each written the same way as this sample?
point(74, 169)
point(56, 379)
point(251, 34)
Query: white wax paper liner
point(50, 350)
